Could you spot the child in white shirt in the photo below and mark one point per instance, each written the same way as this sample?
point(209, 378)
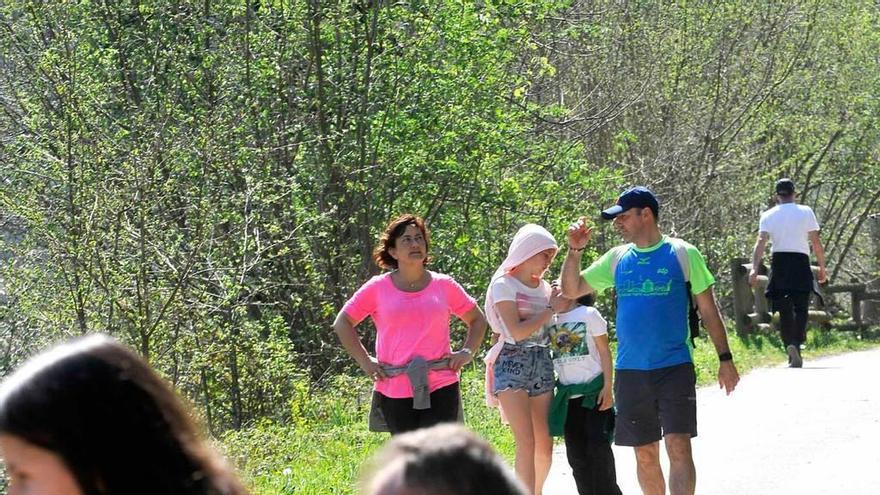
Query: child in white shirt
point(582, 408)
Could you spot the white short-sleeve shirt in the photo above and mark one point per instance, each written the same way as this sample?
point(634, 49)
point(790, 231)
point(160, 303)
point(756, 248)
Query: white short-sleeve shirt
point(571, 340)
point(529, 302)
point(788, 225)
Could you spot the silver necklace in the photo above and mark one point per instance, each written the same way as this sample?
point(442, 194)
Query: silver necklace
point(412, 285)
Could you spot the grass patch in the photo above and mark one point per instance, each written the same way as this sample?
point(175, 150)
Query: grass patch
point(323, 449)
point(324, 453)
point(279, 459)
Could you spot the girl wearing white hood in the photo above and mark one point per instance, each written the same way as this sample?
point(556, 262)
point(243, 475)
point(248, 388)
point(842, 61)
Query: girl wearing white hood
point(519, 306)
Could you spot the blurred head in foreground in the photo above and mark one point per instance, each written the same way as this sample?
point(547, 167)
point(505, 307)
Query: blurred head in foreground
point(444, 459)
point(90, 417)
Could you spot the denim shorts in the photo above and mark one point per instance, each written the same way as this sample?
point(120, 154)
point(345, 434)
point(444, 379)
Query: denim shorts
point(526, 368)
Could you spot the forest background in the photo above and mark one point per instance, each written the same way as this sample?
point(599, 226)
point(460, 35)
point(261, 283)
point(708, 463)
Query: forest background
point(206, 180)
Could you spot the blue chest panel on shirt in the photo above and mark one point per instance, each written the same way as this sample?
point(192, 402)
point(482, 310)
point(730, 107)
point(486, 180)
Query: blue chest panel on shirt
point(652, 310)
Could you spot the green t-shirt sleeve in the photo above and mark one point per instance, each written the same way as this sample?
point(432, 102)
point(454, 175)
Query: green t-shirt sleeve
point(701, 277)
point(598, 274)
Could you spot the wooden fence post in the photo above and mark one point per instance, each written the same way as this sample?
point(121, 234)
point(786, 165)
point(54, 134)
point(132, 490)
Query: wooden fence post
point(872, 306)
point(743, 300)
point(856, 300)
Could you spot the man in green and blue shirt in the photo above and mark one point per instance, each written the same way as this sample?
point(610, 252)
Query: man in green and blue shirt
point(655, 381)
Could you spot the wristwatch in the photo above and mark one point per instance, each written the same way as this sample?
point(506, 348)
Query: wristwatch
point(468, 351)
point(725, 356)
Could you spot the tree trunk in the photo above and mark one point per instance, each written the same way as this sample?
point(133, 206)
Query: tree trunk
point(871, 312)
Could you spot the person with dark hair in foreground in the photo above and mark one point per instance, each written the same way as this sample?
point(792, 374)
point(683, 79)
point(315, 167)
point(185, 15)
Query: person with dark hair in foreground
point(90, 417)
point(441, 460)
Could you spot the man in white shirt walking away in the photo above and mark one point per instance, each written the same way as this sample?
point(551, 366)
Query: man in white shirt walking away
point(791, 229)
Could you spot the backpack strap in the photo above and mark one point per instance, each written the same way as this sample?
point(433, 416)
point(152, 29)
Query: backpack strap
point(680, 248)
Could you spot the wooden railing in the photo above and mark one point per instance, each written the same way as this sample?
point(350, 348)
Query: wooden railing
point(857, 293)
point(752, 310)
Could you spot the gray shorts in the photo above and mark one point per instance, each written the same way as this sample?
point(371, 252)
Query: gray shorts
point(654, 403)
point(526, 368)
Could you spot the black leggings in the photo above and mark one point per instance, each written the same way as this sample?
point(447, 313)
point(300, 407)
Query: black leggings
point(589, 449)
point(401, 417)
point(793, 309)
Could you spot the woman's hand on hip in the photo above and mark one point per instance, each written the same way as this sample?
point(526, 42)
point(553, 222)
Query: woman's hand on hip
point(458, 359)
point(373, 369)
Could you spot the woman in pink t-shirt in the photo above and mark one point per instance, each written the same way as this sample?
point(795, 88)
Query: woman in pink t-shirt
point(410, 307)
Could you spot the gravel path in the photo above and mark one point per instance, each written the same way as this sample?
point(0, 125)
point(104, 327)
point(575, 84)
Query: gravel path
point(808, 431)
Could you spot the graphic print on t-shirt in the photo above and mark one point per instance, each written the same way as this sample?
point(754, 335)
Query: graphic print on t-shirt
point(528, 306)
point(573, 345)
point(650, 284)
point(568, 340)
point(652, 303)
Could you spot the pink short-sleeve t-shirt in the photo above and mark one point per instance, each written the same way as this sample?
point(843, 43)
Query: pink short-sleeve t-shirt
point(410, 324)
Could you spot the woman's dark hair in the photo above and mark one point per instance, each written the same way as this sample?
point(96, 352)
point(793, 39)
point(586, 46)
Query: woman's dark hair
point(439, 460)
point(115, 423)
point(389, 236)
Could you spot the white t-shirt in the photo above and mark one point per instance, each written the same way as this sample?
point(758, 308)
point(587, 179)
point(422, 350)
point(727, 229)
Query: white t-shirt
point(788, 225)
point(529, 302)
point(574, 351)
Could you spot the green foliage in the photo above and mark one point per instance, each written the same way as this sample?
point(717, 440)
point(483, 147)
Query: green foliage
point(325, 448)
point(206, 180)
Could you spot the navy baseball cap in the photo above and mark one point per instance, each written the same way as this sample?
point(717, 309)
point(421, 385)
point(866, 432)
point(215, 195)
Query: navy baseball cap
point(785, 186)
point(636, 197)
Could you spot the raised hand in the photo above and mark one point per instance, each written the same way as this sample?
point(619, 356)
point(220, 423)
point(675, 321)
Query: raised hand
point(579, 234)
